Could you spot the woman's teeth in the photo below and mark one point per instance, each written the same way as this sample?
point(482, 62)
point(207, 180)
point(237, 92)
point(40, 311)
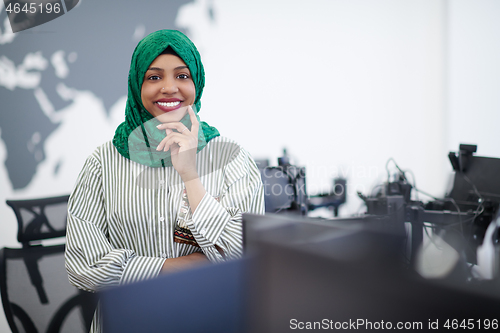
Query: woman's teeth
point(168, 104)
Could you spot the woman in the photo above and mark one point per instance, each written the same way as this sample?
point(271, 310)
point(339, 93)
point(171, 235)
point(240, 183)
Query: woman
point(168, 192)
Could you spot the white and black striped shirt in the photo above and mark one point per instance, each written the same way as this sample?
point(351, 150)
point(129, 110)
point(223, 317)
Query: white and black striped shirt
point(122, 215)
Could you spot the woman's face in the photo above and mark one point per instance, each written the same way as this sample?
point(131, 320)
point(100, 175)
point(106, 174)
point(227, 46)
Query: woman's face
point(167, 89)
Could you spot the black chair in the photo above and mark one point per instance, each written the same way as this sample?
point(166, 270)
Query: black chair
point(36, 294)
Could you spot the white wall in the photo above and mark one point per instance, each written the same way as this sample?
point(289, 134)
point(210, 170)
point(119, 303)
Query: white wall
point(474, 75)
point(344, 85)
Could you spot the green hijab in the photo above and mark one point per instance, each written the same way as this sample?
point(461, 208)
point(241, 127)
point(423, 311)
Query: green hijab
point(137, 137)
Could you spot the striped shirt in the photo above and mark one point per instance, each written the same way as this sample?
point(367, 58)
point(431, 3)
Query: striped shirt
point(122, 215)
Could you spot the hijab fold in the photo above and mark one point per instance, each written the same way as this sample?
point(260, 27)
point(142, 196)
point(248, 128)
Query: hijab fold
point(137, 137)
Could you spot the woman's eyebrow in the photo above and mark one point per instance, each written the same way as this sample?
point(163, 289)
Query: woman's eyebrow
point(155, 69)
point(161, 69)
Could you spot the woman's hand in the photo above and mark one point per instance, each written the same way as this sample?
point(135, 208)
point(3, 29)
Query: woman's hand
point(183, 144)
point(181, 263)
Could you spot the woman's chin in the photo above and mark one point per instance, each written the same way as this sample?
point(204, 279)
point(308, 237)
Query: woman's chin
point(173, 116)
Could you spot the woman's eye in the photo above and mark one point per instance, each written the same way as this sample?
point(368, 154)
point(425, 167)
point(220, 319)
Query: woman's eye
point(154, 77)
point(183, 76)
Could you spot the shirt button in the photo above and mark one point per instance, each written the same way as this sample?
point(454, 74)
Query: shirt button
point(164, 255)
point(162, 219)
point(203, 231)
point(162, 182)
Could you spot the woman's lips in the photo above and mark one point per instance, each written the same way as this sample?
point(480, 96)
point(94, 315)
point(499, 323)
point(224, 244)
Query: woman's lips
point(167, 106)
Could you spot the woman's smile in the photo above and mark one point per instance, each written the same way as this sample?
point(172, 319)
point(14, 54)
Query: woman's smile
point(168, 104)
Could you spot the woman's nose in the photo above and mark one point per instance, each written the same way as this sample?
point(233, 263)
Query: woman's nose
point(169, 87)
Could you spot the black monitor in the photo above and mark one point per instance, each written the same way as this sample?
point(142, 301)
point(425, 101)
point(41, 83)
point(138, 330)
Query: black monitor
point(346, 274)
point(481, 173)
point(284, 189)
point(469, 208)
point(320, 235)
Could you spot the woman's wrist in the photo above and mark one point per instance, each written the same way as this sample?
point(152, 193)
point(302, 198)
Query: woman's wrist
point(189, 175)
point(195, 191)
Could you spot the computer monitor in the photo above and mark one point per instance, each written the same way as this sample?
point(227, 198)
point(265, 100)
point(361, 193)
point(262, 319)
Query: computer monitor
point(324, 274)
point(284, 189)
point(481, 174)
